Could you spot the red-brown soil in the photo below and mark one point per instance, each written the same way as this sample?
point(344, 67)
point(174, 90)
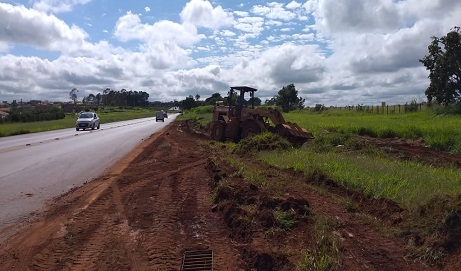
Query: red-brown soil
point(414, 150)
point(175, 193)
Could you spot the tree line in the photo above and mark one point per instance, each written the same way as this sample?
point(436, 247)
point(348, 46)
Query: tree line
point(112, 97)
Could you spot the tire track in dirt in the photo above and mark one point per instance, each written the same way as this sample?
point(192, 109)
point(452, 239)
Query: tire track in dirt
point(74, 231)
point(141, 215)
point(176, 204)
point(67, 249)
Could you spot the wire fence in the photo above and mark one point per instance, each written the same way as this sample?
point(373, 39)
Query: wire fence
point(385, 109)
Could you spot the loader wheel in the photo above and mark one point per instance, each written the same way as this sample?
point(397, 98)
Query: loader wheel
point(218, 131)
point(250, 128)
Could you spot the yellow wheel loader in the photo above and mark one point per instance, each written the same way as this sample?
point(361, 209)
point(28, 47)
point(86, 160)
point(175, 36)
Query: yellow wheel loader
point(237, 121)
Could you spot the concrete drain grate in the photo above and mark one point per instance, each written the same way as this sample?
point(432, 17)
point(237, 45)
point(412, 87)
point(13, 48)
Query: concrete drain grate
point(197, 260)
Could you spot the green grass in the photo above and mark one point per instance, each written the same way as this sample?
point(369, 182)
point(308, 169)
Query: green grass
point(253, 176)
point(408, 183)
point(441, 132)
point(325, 251)
point(202, 114)
point(106, 116)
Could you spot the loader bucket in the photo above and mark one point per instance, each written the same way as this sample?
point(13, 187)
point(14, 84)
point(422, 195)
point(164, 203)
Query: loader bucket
point(293, 133)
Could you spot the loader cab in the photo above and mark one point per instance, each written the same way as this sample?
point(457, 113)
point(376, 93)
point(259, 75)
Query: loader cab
point(241, 98)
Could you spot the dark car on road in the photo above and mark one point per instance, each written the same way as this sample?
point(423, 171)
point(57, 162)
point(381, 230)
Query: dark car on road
point(87, 120)
point(160, 115)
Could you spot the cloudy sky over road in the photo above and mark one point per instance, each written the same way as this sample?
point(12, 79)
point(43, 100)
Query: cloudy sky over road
point(335, 52)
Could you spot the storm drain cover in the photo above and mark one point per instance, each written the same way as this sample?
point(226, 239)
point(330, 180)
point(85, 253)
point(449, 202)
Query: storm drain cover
point(197, 260)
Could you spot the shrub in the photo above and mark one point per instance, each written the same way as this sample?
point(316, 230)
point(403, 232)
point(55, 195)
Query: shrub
point(203, 109)
point(319, 108)
point(412, 106)
point(453, 109)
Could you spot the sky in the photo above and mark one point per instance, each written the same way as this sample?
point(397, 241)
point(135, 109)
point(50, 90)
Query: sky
point(336, 53)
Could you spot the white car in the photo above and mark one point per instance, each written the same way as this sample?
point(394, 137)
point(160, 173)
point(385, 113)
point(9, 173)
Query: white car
point(87, 120)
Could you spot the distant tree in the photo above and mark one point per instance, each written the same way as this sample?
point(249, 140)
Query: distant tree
point(270, 101)
point(256, 101)
point(98, 98)
point(188, 103)
point(319, 108)
point(197, 97)
point(214, 98)
point(90, 99)
point(444, 65)
point(232, 98)
point(287, 98)
point(73, 95)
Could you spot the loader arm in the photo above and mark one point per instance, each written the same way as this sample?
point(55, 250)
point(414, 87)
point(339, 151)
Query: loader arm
point(291, 131)
point(273, 114)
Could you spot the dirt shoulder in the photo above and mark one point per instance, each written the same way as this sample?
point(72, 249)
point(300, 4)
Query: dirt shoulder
point(175, 193)
point(140, 215)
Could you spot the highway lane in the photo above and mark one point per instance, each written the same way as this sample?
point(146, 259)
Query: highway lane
point(37, 167)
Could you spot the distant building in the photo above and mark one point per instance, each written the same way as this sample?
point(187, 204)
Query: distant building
point(34, 102)
point(4, 112)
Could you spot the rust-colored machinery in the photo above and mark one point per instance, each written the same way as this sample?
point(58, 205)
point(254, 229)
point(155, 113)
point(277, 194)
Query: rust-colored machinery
point(237, 121)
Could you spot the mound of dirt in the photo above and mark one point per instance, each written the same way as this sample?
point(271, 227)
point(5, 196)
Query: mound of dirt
point(413, 150)
point(262, 142)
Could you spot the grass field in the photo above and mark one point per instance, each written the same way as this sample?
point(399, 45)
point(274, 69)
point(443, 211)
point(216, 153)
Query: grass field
point(442, 132)
point(410, 184)
point(106, 115)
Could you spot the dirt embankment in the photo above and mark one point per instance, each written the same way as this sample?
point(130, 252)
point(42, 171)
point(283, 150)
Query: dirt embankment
point(175, 194)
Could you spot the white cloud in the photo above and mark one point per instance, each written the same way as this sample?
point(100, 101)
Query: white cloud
point(147, 9)
point(164, 43)
point(39, 30)
point(250, 24)
point(228, 33)
point(275, 11)
point(359, 16)
point(129, 27)
point(293, 5)
point(241, 13)
point(202, 14)
point(56, 6)
point(4, 47)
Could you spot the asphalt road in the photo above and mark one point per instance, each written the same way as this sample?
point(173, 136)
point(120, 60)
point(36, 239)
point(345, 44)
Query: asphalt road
point(37, 167)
